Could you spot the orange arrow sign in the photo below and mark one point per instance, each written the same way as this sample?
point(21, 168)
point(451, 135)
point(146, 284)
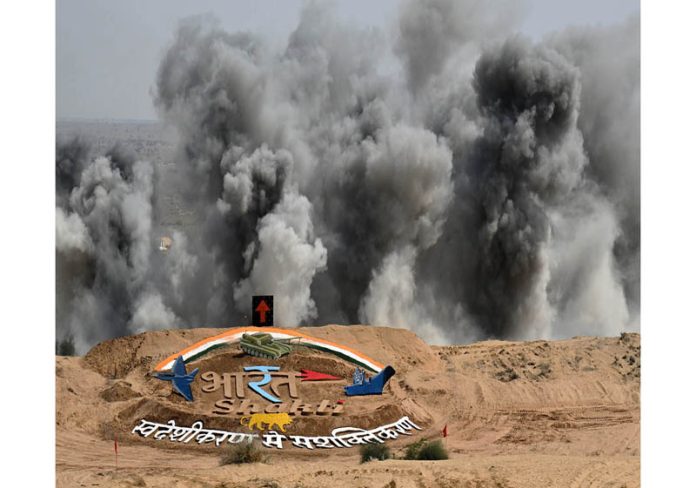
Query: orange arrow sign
point(309, 375)
point(262, 309)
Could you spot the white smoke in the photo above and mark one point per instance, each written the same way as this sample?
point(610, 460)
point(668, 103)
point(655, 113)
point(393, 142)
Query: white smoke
point(284, 265)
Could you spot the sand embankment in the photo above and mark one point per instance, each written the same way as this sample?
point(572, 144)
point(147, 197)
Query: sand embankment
point(542, 413)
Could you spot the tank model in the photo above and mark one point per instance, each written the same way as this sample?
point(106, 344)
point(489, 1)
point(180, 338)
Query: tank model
point(262, 345)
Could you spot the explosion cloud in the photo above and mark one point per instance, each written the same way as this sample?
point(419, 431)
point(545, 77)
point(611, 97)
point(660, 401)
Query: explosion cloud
point(450, 177)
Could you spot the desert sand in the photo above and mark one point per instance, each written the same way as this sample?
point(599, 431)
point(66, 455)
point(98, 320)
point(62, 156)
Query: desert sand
point(518, 414)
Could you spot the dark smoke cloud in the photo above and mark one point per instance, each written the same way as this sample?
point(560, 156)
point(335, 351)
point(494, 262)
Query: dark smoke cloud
point(454, 179)
point(530, 160)
point(71, 156)
point(104, 247)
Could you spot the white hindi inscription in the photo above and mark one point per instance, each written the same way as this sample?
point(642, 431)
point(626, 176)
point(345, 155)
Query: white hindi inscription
point(340, 437)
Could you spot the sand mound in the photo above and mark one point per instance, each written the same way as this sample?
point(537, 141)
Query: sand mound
point(119, 392)
point(115, 358)
point(534, 406)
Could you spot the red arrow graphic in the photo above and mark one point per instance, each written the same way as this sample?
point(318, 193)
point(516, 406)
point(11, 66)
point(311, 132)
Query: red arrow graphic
point(309, 375)
point(262, 309)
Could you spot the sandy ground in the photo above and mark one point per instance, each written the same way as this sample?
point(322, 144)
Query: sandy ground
point(519, 414)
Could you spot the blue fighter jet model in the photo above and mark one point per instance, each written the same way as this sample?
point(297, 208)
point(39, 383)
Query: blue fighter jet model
point(181, 380)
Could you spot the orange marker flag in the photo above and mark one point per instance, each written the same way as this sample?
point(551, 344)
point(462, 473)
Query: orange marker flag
point(444, 431)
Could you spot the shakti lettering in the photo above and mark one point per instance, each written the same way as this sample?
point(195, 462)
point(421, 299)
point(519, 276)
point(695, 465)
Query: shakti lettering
point(342, 437)
point(297, 407)
point(234, 402)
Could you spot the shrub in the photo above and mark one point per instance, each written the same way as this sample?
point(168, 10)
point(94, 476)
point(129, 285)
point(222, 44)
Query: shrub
point(412, 450)
point(432, 451)
point(246, 452)
point(369, 452)
point(544, 371)
point(507, 375)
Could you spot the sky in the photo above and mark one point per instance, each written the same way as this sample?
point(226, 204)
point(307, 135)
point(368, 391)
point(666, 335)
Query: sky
point(107, 52)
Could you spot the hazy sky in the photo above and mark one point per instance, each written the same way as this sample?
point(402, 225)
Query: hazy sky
point(107, 51)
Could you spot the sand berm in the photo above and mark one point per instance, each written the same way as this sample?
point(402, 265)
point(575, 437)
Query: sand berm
point(518, 414)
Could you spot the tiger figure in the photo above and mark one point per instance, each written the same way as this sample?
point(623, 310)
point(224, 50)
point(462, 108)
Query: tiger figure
point(258, 420)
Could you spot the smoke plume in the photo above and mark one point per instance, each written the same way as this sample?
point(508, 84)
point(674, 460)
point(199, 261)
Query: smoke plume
point(104, 247)
point(448, 176)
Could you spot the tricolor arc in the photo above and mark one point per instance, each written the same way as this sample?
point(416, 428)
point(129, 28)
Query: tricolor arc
point(233, 335)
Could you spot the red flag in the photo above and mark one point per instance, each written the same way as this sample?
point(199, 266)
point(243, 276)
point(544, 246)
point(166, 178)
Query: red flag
point(444, 431)
point(116, 443)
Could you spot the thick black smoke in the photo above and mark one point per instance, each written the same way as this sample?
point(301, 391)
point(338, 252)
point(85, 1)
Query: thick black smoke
point(104, 246)
point(528, 161)
point(450, 177)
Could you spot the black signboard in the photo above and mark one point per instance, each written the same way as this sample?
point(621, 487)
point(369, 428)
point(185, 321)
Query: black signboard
point(262, 310)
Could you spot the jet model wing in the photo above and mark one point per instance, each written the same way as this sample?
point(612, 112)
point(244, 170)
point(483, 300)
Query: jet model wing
point(179, 367)
point(192, 375)
point(182, 384)
point(183, 389)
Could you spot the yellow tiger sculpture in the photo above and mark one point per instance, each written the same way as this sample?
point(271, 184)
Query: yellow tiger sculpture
point(257, 420)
